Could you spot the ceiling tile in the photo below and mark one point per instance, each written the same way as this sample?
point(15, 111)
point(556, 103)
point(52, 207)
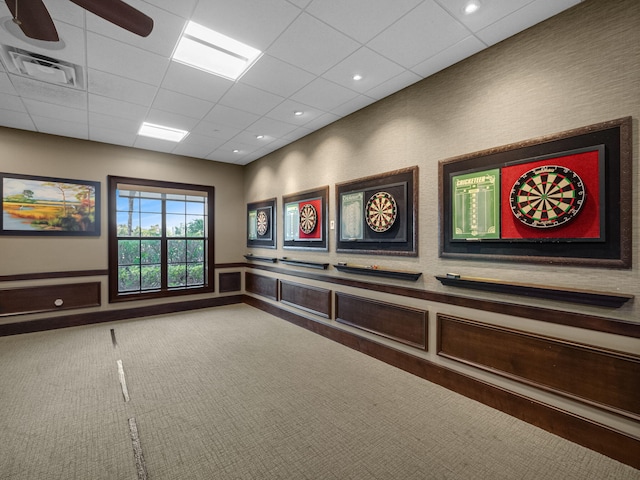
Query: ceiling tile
point(193, 149)
point(374, 68)
point(118, 58)
point(285, 113)
point(428, 26)
point(312, 45)
point(47, 92)
point(196, 83)
point(175, 102)
point(120, 88)
point(257, 24)
point(461, 50)
point(171, 120)
point(270, 127)
point(360, 19)
point(148, 143)
point(352, 105)
point(275, 76)
point(324, 95)
point(56, 126)
point(320, 121)
point(487, 14)
point(393, 85)
point(12, 102)
point(231, 116)
point(116, 137)
point(117, 108)
point(43, 109)
point(250, 99)
point(13, 119)
point(183, 8)
point(5, 85)
point(102, 121)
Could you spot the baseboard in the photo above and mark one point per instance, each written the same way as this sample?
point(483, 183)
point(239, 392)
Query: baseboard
point(585, 432)
point(89, 318)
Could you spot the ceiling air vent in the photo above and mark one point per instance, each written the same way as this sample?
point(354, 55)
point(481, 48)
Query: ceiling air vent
point(42, 67)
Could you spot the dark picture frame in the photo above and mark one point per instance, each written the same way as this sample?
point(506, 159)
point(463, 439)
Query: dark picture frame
point(379, 214)
point(49, 206)
point(589, 224)
point(305, 218)
point(261, 224)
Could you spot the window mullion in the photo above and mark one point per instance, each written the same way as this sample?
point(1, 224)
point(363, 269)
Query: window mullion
point(164, 249)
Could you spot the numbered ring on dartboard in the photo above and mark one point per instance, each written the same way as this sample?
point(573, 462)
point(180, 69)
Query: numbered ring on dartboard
point(263, 223)
point(547, 196)
point(381, 212)
point(308, 218)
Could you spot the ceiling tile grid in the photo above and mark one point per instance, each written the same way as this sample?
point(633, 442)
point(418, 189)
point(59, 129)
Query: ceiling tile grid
point(311, 51)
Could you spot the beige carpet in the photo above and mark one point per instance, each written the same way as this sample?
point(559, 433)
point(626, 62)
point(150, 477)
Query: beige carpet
point(234, 393)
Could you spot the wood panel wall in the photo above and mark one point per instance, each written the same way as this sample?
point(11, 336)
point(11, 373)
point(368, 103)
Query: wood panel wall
point(229, 282)
point(48, 298)
point(403, 324)
point(604, 378)
point(311, 299)
point(261, 285)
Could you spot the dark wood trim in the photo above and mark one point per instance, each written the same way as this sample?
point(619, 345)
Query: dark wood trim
point(49, 298)
point(255, 258)
point(45, 275)
point(302, 263)
point(549, 315)
point(261, 285)
point(80, 319)
point(606, 379)
point(588, 433)
point(376, 271)
point(399, 323)
point(312, 299)
point(558, 294)
point(218, 266)
point(229, 282)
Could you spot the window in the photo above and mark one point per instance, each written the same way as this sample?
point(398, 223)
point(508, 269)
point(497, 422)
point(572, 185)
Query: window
point(160, 239)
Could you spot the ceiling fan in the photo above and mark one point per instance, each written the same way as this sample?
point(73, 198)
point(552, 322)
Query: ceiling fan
point(35, 22)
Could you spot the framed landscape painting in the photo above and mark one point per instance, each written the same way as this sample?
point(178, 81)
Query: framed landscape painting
point(48, 206)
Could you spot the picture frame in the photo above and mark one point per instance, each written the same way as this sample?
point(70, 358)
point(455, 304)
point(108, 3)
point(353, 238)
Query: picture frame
point(305, 218)
point(261, 224)
point(379, 214)
point(563, 199)
point(49, 206)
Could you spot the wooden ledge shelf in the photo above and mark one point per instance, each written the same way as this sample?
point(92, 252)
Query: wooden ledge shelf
point(255, 258)
point(376, 271)
point(303, 263)
point(561, 294)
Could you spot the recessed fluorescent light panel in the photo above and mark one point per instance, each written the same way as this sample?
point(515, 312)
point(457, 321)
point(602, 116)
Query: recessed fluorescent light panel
point(215, 53)
point(163, 133)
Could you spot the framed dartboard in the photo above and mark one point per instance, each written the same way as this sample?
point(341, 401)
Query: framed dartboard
point(563, 199)
point(305, 223)
point(378, 214)
point(261, 224)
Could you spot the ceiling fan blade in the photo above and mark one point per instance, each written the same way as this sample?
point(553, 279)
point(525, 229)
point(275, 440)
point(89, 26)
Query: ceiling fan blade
point(120, 14)
point(33, 19)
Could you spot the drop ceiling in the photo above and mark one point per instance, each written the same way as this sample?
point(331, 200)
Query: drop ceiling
point(312, 49)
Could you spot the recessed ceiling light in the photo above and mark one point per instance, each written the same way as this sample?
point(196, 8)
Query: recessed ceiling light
point(214, 52)
point(357, 77)
point(259, 137)
point(236, 151)
point(471, 7)
point(298, 113)
point(162, 132)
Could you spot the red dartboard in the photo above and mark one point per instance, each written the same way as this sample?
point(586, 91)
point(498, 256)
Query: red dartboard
point(308, 218)
point(381, 212)
point(547, 196)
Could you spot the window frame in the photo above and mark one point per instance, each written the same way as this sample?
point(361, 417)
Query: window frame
point(208, 287)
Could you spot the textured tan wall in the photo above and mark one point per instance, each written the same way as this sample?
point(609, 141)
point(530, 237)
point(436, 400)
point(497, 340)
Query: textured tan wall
point(576, 69)
point(52, 156)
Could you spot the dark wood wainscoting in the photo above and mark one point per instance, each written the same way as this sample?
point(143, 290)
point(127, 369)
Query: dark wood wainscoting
point(230, 282)
point(607, 379)
point(582, 431)
point(49, 298)
point(312, 299)
point(261, 285)
point(402, 324)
